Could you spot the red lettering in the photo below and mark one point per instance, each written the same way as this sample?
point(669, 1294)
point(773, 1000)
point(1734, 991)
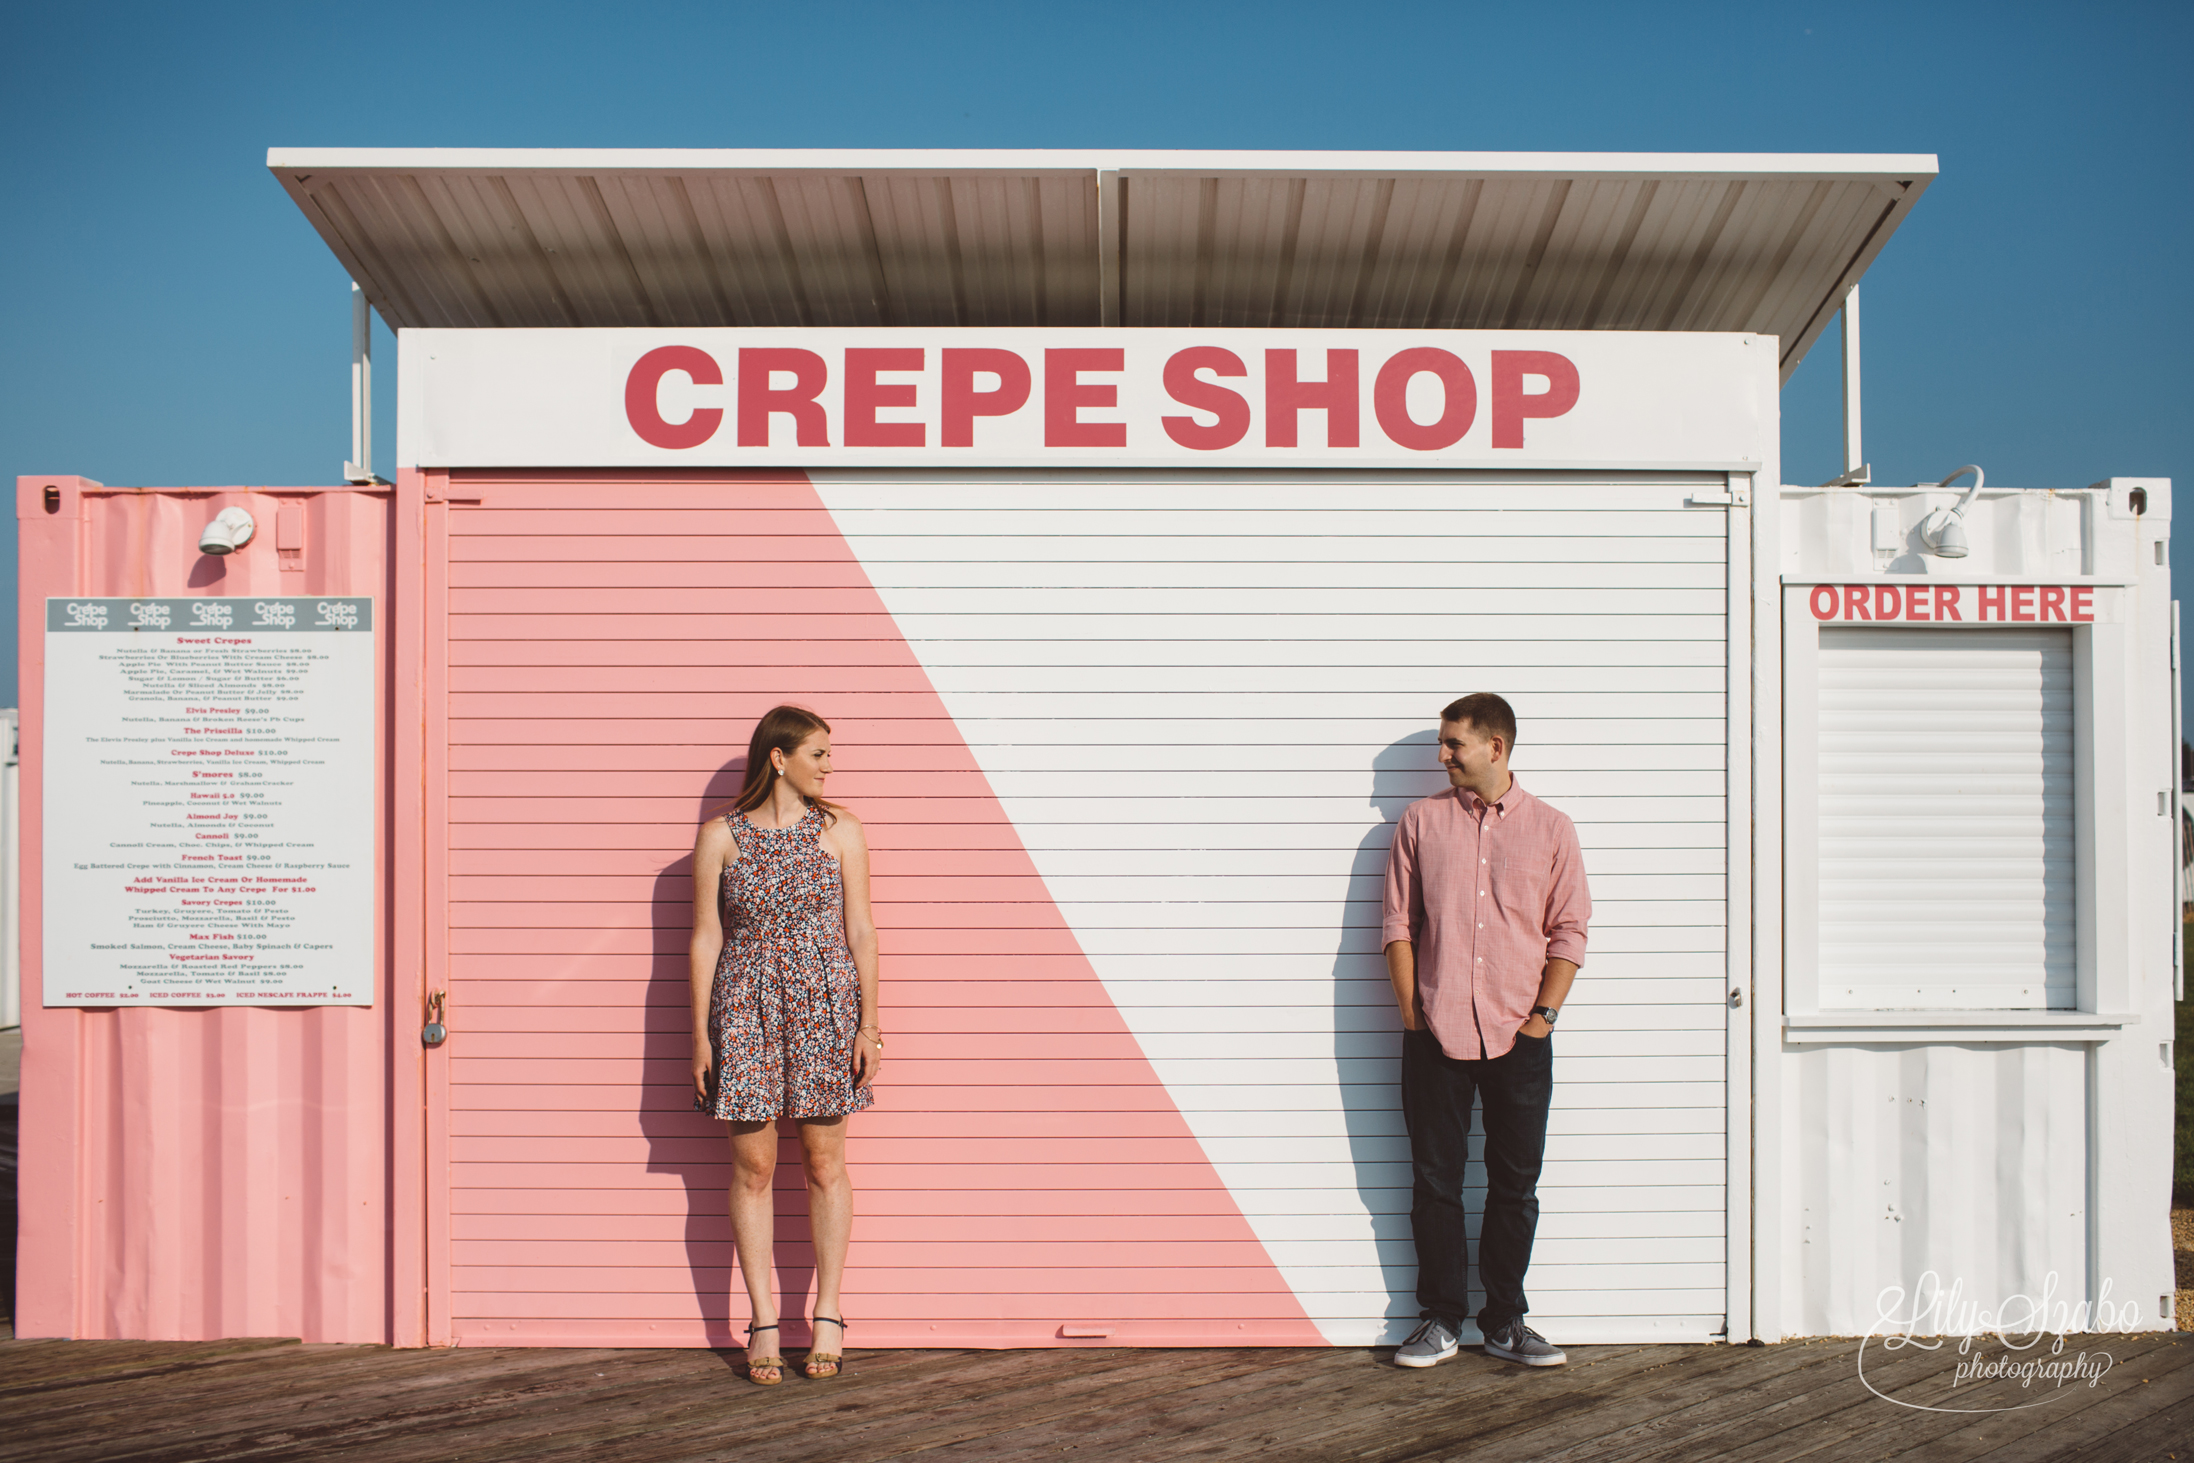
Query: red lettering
point(1855, 597)
point(1887, 602)
point(963, 403)
point(1336, 396)
point(1184, 386)
point(759, 401)
point(1946, 602)
point(1066, 394)
point(2052, 601)
point(1390, 399)
point(865, 394)
point(645, 383)
point(1814, 602)
point(1916, 597)
point(1990, 601)
point(2082, 611)
point(1511, 406)
point(2022, 602)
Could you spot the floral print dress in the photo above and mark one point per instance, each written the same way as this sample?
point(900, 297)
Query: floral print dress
point(787, 1001)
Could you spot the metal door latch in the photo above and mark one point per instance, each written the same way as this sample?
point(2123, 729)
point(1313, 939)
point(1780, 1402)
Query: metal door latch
point(1736, 998)
point(435, 1032)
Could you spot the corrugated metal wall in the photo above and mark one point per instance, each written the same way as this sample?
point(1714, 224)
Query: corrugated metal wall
point(195, 1174)
point(1969, 1163)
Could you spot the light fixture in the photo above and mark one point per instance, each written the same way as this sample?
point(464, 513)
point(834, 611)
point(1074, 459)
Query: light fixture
point(1943, 531)
point(230, 530)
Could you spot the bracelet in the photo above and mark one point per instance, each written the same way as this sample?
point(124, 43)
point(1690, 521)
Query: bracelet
point(873, 1034)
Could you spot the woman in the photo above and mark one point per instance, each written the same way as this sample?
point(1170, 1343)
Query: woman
point(784, 1008)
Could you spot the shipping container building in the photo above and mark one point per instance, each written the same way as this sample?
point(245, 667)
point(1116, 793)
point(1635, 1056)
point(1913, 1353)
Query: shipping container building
point(1130, 517)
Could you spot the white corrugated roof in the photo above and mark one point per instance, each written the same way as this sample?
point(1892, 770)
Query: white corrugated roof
point(1561, 241)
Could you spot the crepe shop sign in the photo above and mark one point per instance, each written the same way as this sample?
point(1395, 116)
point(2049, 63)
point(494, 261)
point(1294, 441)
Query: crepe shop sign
point(1085, 396)
point(1943, 604)
point(911, 396)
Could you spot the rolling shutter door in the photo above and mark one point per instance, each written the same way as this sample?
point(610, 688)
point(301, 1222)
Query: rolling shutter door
point(1130, 749)
point(1946, 819)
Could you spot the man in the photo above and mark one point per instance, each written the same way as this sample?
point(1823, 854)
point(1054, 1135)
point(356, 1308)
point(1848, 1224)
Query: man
point(1484, 929)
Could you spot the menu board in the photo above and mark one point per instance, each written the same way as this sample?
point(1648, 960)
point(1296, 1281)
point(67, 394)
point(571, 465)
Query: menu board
point(209, 801)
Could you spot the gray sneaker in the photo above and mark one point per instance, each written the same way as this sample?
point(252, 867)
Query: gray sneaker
point(1430, 1344)
point(1517, 1342)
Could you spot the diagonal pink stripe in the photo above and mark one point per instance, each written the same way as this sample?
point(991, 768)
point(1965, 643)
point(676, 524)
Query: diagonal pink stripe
point(1024, 1175)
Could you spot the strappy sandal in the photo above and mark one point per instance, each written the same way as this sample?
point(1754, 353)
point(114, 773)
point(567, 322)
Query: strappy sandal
point(756, 1365)
point(823, 1365)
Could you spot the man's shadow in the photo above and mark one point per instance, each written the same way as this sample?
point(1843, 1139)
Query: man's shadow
point(1367, 1034)
point(693, 1145)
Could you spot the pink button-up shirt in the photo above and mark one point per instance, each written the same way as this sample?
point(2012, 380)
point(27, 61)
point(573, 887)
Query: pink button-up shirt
point(1487, 896)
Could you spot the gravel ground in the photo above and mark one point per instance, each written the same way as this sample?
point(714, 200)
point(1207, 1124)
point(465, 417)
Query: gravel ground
point(2182, 1257)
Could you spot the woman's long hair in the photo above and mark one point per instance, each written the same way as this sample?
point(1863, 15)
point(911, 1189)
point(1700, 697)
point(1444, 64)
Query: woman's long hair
point(781, 729)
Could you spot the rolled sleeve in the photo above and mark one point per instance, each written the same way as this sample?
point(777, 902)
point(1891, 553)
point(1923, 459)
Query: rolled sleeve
point(1569, 901)
point(1404, 905)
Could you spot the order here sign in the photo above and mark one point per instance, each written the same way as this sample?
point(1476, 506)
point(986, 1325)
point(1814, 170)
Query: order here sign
point(1026, 397)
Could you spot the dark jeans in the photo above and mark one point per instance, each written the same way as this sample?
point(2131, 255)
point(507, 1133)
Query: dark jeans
point(1515, 1090)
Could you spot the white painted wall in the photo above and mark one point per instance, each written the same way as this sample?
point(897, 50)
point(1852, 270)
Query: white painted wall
point(1204, 700)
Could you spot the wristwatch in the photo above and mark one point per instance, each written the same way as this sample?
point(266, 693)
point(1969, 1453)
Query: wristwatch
point(1551, 1013)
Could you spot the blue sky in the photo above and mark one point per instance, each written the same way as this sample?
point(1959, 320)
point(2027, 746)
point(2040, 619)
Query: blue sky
point(167, 317)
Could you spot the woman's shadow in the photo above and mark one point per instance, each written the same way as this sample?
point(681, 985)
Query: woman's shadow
point(1367, 1036)
point(695, 1146)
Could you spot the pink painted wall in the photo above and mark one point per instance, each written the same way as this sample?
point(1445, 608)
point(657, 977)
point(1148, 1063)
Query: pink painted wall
point(195, 1174)
point(1024, 1174)
point(570, 702)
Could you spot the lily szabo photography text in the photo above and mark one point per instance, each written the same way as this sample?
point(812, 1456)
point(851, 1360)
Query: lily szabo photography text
point(2014, 1354)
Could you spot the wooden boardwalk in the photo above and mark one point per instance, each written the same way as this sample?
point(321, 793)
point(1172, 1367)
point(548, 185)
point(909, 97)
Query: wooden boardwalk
point(71, 1402)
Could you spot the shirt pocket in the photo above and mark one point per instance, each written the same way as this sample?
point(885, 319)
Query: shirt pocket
point(1519, 885)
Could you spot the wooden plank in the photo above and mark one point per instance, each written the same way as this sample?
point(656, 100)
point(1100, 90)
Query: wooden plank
point(1069, 1416)
point(34, 1367)
point(824, 1422)
point(1544, 1428)
point(94, 1416)
point(2159, 1433)
point(1358, 1404)
point(2152, 1377)
point(1791, 1407)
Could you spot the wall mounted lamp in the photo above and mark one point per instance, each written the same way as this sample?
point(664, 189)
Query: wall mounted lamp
point(230, 530)
point(1943, 531)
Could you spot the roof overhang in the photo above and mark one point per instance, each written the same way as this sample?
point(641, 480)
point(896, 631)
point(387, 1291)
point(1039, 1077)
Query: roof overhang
point(498, 238)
